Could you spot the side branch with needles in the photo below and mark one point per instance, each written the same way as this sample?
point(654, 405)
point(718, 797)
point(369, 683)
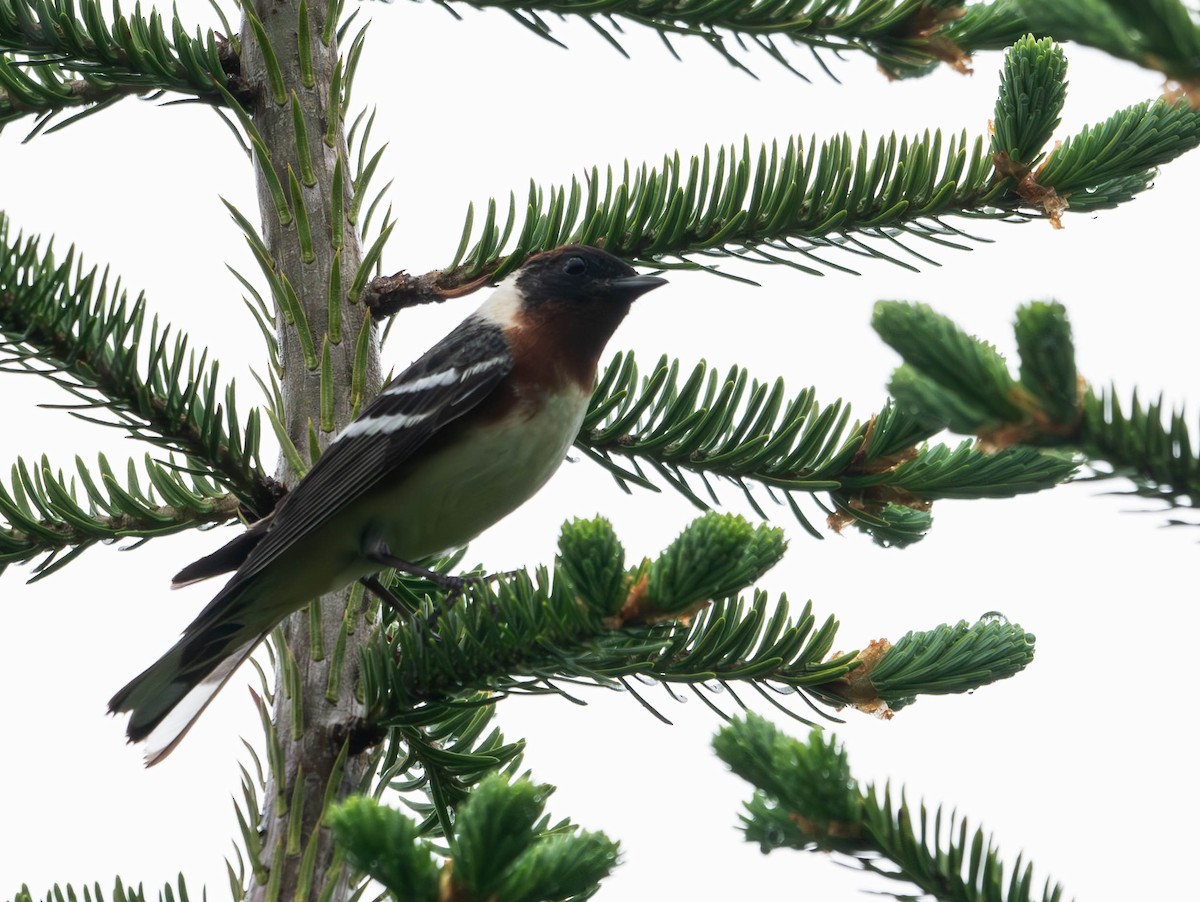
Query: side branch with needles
point(676, 619)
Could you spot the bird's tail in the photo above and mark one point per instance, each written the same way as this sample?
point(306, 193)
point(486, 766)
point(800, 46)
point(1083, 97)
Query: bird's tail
point(225, 559)
point(167, 698)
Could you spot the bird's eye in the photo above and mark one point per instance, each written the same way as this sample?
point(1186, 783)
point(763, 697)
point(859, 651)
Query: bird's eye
point(575, 266)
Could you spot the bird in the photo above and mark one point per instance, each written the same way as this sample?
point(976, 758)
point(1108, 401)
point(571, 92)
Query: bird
point(454, 443)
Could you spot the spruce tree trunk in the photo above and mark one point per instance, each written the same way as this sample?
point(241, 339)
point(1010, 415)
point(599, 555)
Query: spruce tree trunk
point(315, 716)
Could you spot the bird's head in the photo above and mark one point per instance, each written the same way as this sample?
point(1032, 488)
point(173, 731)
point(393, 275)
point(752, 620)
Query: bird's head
point(580, 277)
point(562, 306)
point(573, 296)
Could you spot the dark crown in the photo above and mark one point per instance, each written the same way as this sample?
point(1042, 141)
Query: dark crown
point(577, 272)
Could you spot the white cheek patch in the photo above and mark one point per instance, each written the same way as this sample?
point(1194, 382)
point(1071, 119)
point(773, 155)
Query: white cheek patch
point(385, 424)
point(503, 307)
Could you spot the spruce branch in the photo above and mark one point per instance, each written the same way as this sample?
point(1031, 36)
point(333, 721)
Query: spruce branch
point(45, 89)
point(433, 682)
point(877, 474)
point(807, 798)
point(906, 38)
point(1147, 443)
point(45, 512)
point(804, 207)
point(1163, 35)
point(1033, 89)
point(385, 844)
point(1099, 166)
point(796, 204)
point(503, 848)
point(991, 25)
point(952, 378)
point(434, 767)
point(120, 893)
point(681, 623)
point(61, 54)
point(940, 661)
point(64, 322)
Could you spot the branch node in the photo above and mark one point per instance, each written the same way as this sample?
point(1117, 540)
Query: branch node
point(1029, 189)
point(387, 295)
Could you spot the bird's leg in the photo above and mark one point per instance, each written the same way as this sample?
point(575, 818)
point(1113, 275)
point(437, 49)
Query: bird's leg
point(388, 597)
point(377, 552)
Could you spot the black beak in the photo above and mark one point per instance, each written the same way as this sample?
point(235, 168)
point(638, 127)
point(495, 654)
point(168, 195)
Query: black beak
point(635, 286)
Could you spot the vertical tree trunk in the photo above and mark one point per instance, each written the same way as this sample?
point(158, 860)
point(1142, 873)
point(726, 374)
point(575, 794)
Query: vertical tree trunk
point(315, 711)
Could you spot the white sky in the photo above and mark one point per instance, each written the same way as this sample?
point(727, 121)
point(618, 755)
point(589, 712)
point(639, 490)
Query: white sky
point(1083, 763)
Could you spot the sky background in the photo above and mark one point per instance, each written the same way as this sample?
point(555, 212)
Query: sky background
point(1084, 763)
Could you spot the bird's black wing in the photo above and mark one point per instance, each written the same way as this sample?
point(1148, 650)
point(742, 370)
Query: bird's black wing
point(451, 378)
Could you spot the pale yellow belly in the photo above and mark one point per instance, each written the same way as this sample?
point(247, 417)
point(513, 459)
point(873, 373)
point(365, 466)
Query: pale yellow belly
point(463, 490)
point(450, 498)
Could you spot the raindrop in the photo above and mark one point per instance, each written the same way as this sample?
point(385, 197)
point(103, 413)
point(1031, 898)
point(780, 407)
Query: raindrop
point(993, 617)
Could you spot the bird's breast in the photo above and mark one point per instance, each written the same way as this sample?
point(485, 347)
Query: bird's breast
point(489, 471)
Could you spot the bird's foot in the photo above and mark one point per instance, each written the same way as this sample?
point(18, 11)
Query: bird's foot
point(465, 585)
